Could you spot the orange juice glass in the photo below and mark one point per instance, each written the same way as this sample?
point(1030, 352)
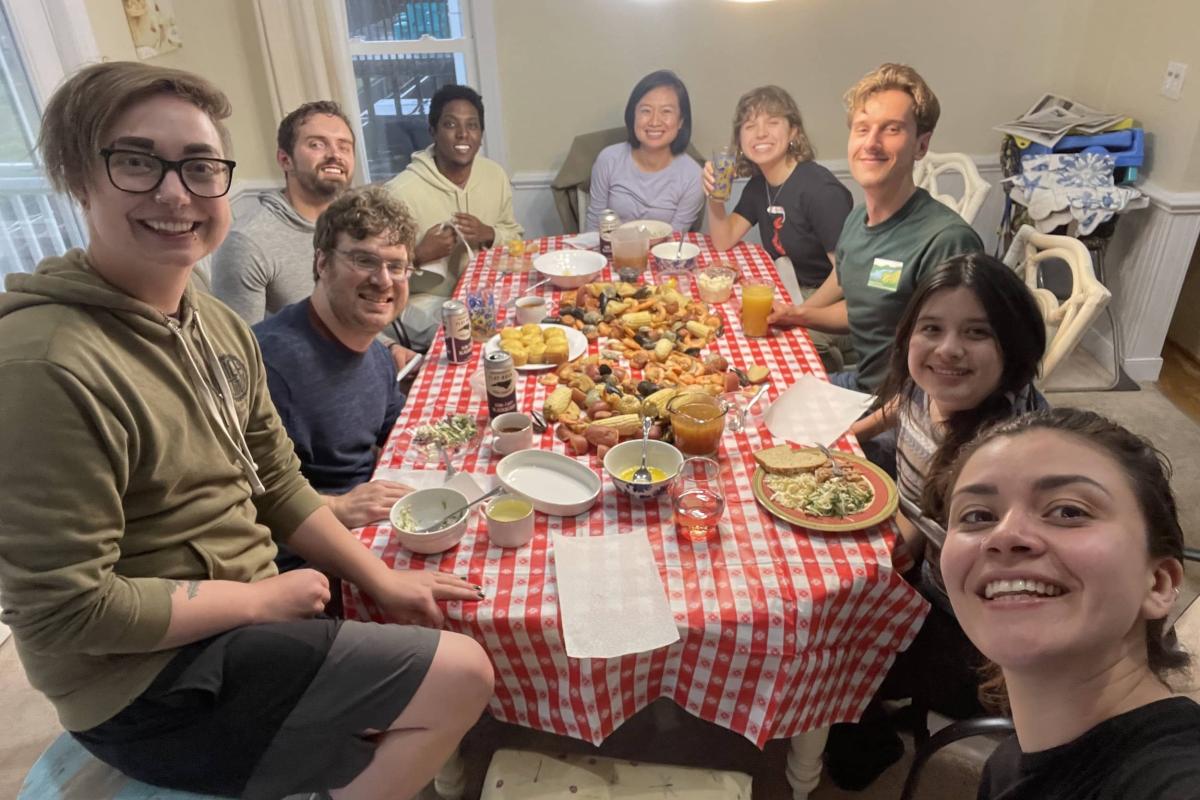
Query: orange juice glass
point(757, 298)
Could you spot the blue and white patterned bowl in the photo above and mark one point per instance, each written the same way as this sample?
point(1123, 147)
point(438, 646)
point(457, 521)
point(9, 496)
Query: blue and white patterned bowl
point(629, 454)
point(671, 258)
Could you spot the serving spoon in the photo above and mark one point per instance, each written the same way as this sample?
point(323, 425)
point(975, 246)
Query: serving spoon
point(642, 474)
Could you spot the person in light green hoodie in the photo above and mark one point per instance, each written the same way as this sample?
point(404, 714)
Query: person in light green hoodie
point(461, 201)
point(147, 478)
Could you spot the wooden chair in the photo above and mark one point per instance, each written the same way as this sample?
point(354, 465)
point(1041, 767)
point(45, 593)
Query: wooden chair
point(929, 169)
point(1066, 320)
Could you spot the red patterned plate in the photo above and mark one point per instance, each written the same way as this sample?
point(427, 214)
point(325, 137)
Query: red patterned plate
point(882, 506)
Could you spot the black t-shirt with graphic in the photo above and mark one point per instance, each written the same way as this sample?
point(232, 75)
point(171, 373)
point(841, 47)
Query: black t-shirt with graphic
point(814, 205)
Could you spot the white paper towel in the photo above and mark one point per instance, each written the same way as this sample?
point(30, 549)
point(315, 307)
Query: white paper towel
point(611, 597)
point(814, 411)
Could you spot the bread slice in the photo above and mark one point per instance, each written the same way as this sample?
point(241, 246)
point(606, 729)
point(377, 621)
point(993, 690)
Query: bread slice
point(783, 460)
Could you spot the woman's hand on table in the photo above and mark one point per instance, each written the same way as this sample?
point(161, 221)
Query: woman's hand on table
point(473, 230)
point(409, 596)
point(435, 245)
point(785, 315)
point(366, 503)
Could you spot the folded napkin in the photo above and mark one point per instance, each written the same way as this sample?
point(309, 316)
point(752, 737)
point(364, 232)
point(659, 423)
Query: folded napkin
point(589, 240)
point(814, 411)
point(611, 597)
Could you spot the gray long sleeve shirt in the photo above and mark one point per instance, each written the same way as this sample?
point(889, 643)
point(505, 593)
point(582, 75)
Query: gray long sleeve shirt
point(266, 262)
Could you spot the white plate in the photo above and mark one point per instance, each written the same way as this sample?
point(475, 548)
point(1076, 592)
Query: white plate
point(577, 345)
point(555, 484)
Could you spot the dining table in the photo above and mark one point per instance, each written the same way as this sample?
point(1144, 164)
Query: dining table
point(783, 631)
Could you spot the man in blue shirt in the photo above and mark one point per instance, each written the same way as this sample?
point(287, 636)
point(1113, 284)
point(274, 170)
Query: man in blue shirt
point(332, 381)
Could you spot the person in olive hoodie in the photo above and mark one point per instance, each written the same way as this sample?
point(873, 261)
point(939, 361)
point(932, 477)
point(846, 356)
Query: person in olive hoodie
point(459, 199)
point(147, 477)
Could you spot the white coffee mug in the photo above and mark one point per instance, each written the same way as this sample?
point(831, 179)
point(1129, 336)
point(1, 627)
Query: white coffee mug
point(531, 309)
point(512, 432)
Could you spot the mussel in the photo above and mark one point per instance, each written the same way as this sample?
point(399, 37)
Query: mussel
point(647, 388)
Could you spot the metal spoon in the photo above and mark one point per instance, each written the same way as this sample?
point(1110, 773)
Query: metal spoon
point(642, 474)
point(453, 515)
point(512, 301)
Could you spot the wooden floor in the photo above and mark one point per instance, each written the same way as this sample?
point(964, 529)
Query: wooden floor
point(1179, 380)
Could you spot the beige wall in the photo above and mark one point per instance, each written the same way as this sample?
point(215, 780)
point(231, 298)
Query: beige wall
point(220, 42)
point(1120, 67)
point(568, 67)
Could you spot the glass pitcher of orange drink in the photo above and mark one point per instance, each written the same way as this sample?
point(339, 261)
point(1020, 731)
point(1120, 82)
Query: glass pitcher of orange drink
point(697, 420)
point(757, 299)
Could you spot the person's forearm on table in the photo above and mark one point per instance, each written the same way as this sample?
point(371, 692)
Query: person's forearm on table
point(827, 319)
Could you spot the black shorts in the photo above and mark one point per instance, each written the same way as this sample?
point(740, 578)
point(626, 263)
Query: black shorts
point(265, 711)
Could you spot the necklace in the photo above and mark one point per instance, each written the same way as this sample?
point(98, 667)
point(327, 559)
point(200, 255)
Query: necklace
point(771, 207)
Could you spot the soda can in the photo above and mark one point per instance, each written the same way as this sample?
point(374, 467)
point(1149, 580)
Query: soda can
point(500, 382)
point(456, 323)
point(608, 223)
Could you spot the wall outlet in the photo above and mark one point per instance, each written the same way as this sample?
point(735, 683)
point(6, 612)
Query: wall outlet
point(1172, 86)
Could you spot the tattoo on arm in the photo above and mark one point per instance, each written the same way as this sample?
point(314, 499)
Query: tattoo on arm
point(193, 588)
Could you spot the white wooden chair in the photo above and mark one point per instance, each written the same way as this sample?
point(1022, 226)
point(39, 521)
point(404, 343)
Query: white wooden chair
point(929, 169)
point(1069, 319)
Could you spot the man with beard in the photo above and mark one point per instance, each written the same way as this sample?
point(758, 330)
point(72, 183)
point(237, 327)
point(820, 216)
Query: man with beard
point(332, 382)
point(266, 262)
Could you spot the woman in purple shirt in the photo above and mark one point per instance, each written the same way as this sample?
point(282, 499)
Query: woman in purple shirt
point(649, 176)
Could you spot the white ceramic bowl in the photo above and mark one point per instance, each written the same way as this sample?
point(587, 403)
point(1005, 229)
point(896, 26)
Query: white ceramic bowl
point(428, 506)
point(658, 230)
point(570, 269)
point(554, 483)
point(670, 257)
point(629, 454)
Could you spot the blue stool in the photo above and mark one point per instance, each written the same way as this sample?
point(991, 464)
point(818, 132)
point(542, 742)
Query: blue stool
point(68, 772)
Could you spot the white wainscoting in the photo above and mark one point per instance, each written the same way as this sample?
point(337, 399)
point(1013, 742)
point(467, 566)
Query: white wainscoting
point(1146, 263)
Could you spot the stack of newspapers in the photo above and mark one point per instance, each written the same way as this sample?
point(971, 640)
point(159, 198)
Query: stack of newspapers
point(1053, 117)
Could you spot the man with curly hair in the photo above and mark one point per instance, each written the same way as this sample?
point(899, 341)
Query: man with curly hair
point(331, 379)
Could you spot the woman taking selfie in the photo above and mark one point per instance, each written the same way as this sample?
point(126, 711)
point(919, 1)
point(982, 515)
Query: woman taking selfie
point(1063, 560)
point(154, 474)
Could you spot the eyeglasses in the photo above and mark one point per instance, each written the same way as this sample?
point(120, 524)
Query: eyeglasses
point(138, 172)
point(370, 264)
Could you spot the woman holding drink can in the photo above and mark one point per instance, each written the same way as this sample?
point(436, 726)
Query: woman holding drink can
point(798, 205)
point(649, 176)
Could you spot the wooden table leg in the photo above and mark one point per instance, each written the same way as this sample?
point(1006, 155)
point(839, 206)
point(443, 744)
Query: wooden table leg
point(451, 781)
point(804, 762)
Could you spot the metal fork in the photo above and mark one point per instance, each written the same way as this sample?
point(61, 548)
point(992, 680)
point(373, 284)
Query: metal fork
point(450, 470)
point(837, 470)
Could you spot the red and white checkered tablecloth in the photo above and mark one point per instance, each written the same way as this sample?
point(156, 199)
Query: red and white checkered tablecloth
point(782, 630)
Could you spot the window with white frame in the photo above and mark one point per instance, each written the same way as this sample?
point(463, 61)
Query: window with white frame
point(35, 221)
point(402, 52)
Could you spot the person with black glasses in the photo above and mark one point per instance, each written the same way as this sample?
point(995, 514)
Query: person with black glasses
point(147, 480)
point(333, 383)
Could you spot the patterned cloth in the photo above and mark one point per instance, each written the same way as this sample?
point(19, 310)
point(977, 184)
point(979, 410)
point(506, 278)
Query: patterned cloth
point(1057, 187)
point(782, 630)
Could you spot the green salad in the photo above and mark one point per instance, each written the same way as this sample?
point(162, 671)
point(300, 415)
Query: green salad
point(453, 431)
point(832, 497)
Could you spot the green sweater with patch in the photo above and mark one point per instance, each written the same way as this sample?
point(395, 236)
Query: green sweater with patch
point(125, 469)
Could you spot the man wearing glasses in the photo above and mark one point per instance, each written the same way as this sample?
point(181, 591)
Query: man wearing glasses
point(332, 381)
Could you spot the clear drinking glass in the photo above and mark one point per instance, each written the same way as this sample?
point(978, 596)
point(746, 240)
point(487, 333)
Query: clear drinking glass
point(697, 499)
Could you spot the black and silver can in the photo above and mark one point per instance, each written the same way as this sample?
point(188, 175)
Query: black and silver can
point(500, 382)
point(457, 325)
point(608, 223)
